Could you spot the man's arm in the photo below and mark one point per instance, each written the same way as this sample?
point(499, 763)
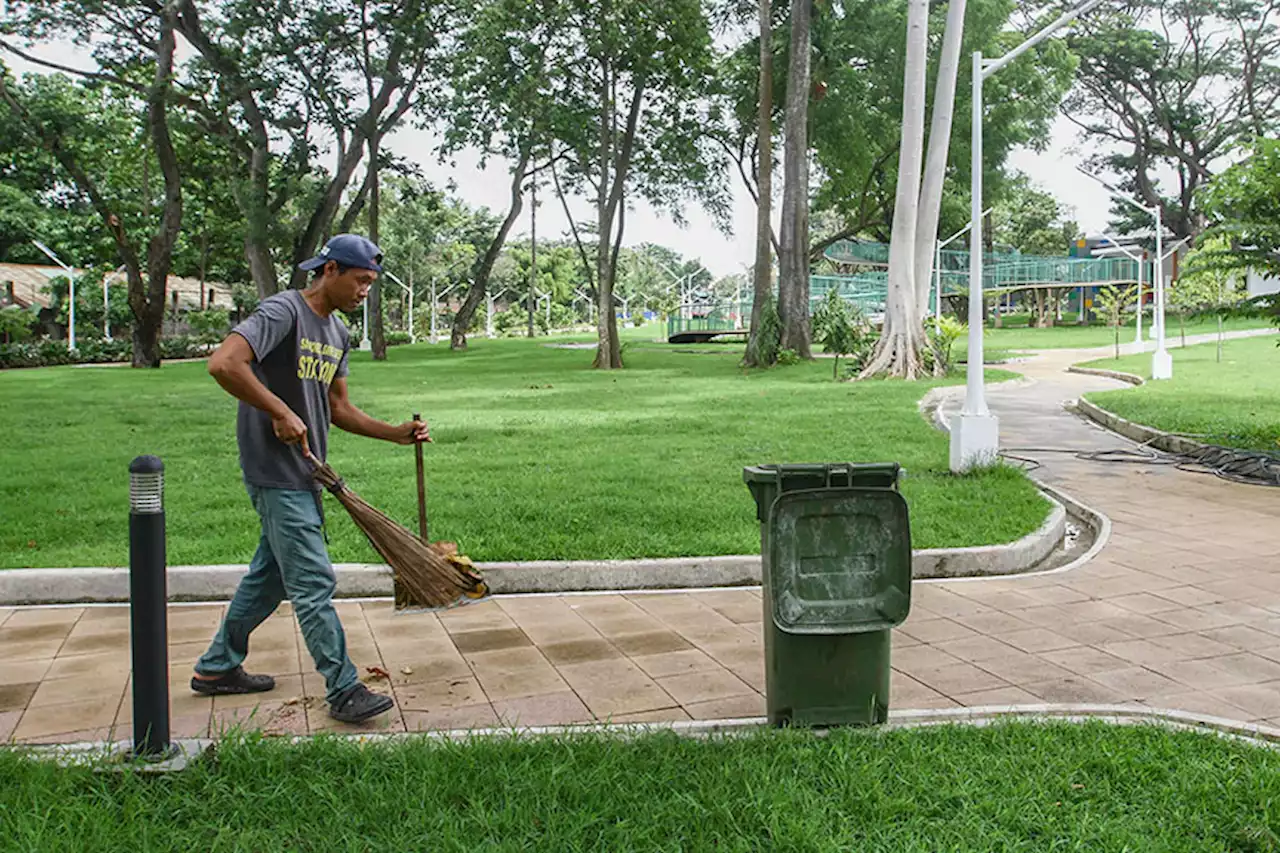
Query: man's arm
point(231, 365)
point(347, 416)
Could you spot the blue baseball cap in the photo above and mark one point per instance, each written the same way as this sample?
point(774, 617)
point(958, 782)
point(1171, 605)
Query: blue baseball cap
point(349, 250)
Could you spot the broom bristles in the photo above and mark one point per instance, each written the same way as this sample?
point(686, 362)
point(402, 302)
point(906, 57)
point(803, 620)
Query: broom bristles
point(428, 577)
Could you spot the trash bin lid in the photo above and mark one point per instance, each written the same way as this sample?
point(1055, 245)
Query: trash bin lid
point(840, 561)
point(826, 475)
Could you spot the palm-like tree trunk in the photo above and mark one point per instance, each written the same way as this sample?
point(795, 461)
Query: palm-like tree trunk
point(898, 352)
point(935, 172)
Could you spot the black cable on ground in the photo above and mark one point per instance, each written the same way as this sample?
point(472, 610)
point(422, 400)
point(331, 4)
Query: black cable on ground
point(1249, 467)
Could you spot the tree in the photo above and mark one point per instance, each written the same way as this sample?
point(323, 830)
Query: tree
point(508, 64)
point(1208, 286)
point(836, 327)
point(761, 353)
point(640, 70)
point(1243, 204)
point(935, 172)
point(1173, 86)
point(1032, 221)
point(856, 127)
point(855, 113)
point(793, 243)
point(898, 351)
point(387, 50)
point(52, 112)
point(1113, 299)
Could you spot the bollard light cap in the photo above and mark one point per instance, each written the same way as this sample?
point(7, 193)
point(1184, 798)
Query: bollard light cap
point(146, 465)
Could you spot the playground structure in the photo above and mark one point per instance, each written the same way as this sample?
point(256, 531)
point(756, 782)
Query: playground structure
point(863, 281)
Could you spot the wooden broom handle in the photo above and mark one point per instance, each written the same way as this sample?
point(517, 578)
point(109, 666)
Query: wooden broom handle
point(422, 488)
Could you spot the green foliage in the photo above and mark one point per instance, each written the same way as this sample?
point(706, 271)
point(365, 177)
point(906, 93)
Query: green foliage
point(942, 337)
point(841, 329)
point(16, 323)
point(210, 325)
point(1112, 300)
point(514, 322)
point(856, 123)
point(245, 298)
point(93, 351)
point(1031, 220)
point(1202, 72)
point(788, 357)
point(1244, 204)
point(395, 339)
point(768, 336)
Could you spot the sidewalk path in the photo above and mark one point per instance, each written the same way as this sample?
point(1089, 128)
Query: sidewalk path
point(1180, 611)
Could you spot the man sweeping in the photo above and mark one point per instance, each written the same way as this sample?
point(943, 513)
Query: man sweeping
point(287, 364)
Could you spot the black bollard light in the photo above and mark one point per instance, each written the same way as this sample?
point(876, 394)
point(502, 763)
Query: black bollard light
point(148, 598)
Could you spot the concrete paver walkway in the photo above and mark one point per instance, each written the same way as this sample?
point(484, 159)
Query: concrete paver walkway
point(1180, 611)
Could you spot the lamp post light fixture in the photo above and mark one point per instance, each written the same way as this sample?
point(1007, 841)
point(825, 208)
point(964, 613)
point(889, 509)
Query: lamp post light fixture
point(409, 290)
point(1140, 259)
point(975, 432)
point(1161, 359)
point(937, 269)
point(71, 284)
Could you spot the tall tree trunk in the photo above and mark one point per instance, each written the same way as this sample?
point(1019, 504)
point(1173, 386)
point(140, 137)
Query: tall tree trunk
point(148, 307)
point(615, 164)
point(480, 286)
point(378, 336)
point(793, 250)
point(898, 351)
point(763, 290)
point(935, 173)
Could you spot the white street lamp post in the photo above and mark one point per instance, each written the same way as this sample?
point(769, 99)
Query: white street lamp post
point(1171, 252)
point(1161, 359)
point(106, 310)
point(435, 297)
point(408, 290)
point(1139, 259)
point(975, 433)
point(71, 283)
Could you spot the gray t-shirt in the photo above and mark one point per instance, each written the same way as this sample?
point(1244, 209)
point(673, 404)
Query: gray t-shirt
point(297, 355)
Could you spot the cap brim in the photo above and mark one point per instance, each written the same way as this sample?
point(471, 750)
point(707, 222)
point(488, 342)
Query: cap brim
point(312, 264)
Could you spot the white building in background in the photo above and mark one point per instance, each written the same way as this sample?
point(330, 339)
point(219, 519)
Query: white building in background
point(1262, 285)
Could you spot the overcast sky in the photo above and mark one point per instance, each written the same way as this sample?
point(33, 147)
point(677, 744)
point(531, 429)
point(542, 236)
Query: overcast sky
point(723, 254)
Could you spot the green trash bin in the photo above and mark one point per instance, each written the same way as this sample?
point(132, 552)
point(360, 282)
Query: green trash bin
point(835, 543)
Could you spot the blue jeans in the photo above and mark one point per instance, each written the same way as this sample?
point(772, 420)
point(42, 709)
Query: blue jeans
point(292, 561)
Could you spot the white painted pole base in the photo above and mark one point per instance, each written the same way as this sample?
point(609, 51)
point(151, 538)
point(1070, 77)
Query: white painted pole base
point(366, 344)
point(975, 442)
point(1162, 364)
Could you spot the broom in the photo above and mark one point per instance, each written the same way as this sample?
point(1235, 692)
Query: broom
point(426, 575)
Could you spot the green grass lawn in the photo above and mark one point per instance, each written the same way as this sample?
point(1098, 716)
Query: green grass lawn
point(1009, 787)
point(1235, 403)
point(536, 456)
